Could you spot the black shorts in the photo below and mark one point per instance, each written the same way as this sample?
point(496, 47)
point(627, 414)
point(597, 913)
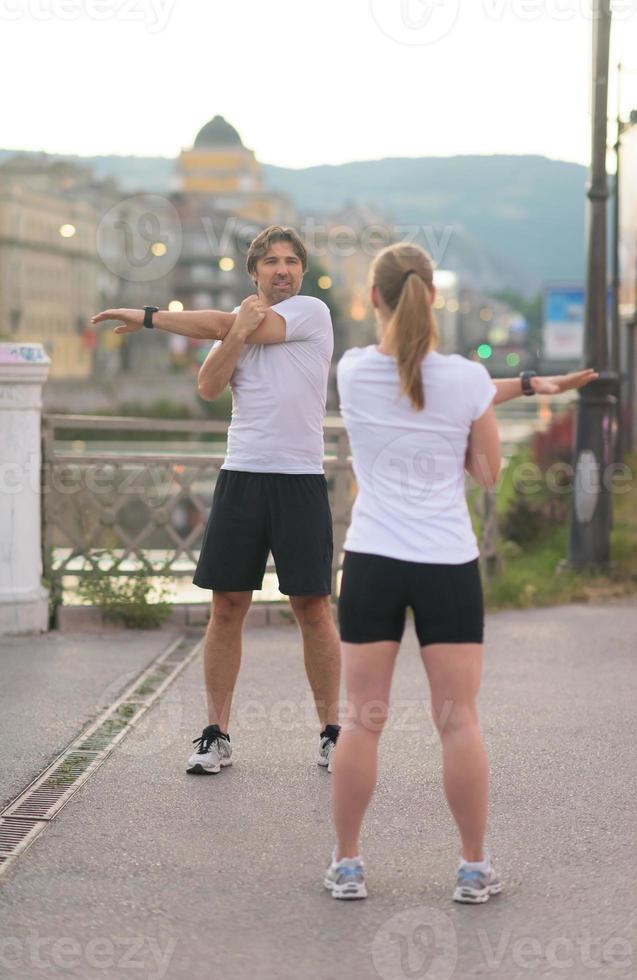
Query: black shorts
point(376, 592)
point(257, 513)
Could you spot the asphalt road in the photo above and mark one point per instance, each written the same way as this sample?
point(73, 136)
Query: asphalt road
point(150, 873)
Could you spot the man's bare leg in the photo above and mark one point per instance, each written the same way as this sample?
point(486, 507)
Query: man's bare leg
point(322, 652)
point(222, 653)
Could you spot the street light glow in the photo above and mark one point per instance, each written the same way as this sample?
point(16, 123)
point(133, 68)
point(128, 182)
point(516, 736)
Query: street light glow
point(67, 231)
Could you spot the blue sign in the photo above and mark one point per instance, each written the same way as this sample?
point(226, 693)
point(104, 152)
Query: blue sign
point(564, 322)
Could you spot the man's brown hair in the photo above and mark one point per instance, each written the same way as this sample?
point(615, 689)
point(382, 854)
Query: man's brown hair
point(264, 241)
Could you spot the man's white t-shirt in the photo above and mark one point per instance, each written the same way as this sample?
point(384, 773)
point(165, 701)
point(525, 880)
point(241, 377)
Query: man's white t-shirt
point(279, 393)
point(409, 464)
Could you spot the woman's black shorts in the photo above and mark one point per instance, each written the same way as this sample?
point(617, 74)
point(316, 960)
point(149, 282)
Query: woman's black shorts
point(253, 514)
point(376, 592)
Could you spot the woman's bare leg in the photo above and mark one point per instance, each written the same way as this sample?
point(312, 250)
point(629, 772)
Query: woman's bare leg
point(368, 669)
point(454, 673)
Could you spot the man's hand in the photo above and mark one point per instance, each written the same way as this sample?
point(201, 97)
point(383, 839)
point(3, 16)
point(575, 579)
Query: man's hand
point(132, 319)
point(562, 382)
point(250, 315)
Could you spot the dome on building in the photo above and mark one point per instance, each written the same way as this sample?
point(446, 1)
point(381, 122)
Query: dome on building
point(215, 133)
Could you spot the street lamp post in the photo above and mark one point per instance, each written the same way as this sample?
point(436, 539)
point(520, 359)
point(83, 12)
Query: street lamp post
point(615, 342)
point(627, 376)
point(591, 516)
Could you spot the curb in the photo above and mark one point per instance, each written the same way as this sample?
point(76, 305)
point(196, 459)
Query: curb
point(89, 619)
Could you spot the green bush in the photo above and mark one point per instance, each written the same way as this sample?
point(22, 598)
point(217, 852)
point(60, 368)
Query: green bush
point(126, 598)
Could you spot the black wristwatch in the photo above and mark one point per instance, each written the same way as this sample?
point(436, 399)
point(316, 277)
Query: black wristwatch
point(525, 377)
point(148, 316)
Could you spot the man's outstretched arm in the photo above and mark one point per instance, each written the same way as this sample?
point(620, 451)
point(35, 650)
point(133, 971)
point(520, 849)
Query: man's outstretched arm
point(198, 324)
point(508, 388)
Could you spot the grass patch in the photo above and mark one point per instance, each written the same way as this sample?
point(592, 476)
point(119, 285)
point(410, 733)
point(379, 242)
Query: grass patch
point(532, 574)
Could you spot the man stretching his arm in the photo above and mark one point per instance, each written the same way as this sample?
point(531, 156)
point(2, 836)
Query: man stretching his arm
point(271, 494)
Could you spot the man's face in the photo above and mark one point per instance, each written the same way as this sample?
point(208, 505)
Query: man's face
point(279, 273)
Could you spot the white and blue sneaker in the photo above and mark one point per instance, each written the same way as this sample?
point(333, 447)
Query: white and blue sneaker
point(213, 751)
point(474, 885)
point(346, 878)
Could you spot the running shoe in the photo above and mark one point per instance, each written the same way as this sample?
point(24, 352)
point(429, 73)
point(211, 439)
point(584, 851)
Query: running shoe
point(328, 743)
point(213, 750)
point(346, 878)
point(474, 887)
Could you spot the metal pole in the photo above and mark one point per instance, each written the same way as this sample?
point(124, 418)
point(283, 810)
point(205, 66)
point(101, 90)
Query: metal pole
point(631, 429)
point(591, 517)
point(615, 333)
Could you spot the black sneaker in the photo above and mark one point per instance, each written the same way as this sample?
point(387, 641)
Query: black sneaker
point(329, 738)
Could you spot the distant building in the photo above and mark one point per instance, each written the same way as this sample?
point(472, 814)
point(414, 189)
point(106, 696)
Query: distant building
point(71, 245)
point(219, 167)
point(344, 243)
point(48, 263)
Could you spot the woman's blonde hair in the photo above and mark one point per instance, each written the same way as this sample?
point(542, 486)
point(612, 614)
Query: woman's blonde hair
point(403, 275)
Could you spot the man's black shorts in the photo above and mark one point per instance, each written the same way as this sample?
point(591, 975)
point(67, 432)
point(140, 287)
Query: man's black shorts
point(255, 513)
point(377, 591)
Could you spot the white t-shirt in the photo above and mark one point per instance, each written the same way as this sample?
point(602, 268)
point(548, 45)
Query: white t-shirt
point(279, 392)
point(409, 464)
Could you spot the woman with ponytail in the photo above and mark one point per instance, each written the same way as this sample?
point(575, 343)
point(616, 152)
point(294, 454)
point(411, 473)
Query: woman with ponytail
point(416, 420)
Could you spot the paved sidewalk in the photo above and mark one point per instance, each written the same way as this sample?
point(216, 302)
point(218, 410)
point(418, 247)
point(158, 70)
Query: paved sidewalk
point(54, 684)
point(151, 873)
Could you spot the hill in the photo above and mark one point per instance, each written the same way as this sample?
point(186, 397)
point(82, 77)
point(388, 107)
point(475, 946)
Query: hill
point(511, 222)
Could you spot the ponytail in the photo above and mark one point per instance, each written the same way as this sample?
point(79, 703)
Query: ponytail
point(403, 275)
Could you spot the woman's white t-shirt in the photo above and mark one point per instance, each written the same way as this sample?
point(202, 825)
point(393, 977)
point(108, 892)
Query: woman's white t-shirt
point(409, 464)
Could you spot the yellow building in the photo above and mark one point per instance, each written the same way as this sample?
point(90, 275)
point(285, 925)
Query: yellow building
point(48, 270)
point(219, 166)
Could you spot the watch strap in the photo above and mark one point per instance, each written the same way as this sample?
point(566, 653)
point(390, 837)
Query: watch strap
point(525, 377)
point(148, 316)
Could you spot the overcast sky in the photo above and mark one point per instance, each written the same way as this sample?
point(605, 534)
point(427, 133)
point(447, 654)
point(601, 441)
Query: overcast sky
point(307, 82)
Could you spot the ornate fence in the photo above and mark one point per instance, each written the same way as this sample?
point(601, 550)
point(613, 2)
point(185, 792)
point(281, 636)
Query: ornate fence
point(103, 506)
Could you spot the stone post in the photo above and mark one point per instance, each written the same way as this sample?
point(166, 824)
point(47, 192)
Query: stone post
point(23, 599)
